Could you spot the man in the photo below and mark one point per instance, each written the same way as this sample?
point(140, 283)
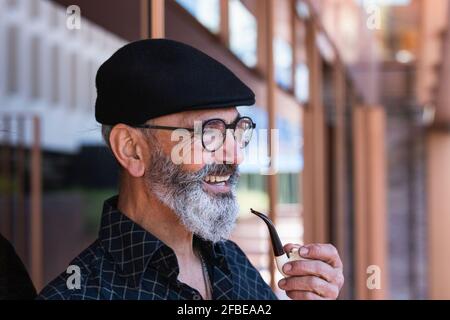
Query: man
point(162, 105)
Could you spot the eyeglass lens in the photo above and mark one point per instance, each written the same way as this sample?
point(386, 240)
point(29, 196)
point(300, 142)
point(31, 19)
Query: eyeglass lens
point(214, 133)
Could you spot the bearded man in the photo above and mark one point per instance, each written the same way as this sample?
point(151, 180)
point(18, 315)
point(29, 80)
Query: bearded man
point(165, 235)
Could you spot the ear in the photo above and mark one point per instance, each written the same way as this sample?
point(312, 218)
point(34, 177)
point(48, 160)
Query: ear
point(129, 148)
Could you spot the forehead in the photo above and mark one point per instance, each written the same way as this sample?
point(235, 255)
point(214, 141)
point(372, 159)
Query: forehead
point(227, 114)
point(188, 118)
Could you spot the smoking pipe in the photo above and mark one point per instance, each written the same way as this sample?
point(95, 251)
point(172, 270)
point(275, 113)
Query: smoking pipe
point(281, 257)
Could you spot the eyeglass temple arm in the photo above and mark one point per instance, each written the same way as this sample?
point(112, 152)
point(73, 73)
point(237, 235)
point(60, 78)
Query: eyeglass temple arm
point(146, 126)
point(176, 128)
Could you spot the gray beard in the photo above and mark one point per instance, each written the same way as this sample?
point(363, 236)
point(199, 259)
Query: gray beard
point(212, 217)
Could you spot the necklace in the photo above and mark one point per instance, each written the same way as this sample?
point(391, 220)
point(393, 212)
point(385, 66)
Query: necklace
point(208, 289)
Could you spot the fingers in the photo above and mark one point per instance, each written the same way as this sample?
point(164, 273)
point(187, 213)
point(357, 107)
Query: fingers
point(301, 285)
point(324, 252)
point(312, 267)
point(323, 265)
point(303, 295)
point(288, 247)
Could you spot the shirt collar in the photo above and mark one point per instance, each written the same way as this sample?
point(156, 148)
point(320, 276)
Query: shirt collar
point(134, 249)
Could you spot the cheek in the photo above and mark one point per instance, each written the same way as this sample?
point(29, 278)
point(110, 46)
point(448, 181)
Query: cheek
point(198, 158)
point(190, 154)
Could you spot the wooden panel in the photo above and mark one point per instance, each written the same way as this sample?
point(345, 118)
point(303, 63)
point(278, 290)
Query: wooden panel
point(224, 23)
point(145, 19)
point(360, 203)
point(315, 170)
point(370, 199)
point(262, 38)
point(376, 197)
point(438, 208)
point(157, 19)
point(339, 206)
point(308, 178)
point(271, 110)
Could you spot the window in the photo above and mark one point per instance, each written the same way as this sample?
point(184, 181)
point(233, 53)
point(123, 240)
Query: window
point(290, 142)
point(72, 80)
point(12, 65)
point(302, 82)
point(54, 74)
point(283, 63)
point(35, 56)
point(288, 184)
point(301, 89)
point(207, 12)
point(302, 10)
point(243, 33)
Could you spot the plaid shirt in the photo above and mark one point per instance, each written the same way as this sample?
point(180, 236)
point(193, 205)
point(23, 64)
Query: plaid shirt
point(127, 262)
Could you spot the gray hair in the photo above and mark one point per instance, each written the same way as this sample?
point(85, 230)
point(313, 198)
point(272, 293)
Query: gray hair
point(209, 216)
point(106, 133)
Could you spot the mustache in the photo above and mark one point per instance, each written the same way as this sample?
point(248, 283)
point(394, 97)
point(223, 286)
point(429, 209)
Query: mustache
point(218, 170)
point(214, 170)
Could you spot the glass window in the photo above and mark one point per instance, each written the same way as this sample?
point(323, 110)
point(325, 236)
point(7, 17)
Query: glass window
point(207, 12)
point(302, 82)
point(12, 65)
point(288, 192)
point(243, 33)
point(302, 9)
point(301, 89)
point(35, 55)
point(283, 63)
point(290, 142)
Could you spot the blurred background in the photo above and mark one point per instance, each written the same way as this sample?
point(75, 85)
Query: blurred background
point(358, 89)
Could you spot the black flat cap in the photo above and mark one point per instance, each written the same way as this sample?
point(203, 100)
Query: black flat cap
point(150, 78)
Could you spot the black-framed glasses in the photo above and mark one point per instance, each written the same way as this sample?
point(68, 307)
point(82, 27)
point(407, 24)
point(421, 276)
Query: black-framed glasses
point(214, 132)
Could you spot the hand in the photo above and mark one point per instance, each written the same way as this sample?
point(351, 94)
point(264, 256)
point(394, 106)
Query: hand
point(320, 277)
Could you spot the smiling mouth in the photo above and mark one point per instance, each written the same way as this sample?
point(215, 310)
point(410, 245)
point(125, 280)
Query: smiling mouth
point(217, 184)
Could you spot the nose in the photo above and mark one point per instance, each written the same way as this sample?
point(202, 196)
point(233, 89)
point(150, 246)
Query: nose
point(232, 152)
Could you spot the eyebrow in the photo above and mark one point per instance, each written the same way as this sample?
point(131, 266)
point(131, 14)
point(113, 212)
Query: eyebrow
point(237, 117)
point(190, 122)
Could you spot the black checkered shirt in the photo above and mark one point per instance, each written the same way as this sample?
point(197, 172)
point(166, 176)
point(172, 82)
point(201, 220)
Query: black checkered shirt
point(127, 262)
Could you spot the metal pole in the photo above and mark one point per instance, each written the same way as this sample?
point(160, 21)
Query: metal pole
point(6, 225)
point(36, 207)
point(20, 225)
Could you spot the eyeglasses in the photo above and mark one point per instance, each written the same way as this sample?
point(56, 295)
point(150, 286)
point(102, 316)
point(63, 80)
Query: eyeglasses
point(214, 132)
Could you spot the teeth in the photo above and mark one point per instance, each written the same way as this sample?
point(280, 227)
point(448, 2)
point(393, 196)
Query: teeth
point(221, 179)
point(216, 179)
